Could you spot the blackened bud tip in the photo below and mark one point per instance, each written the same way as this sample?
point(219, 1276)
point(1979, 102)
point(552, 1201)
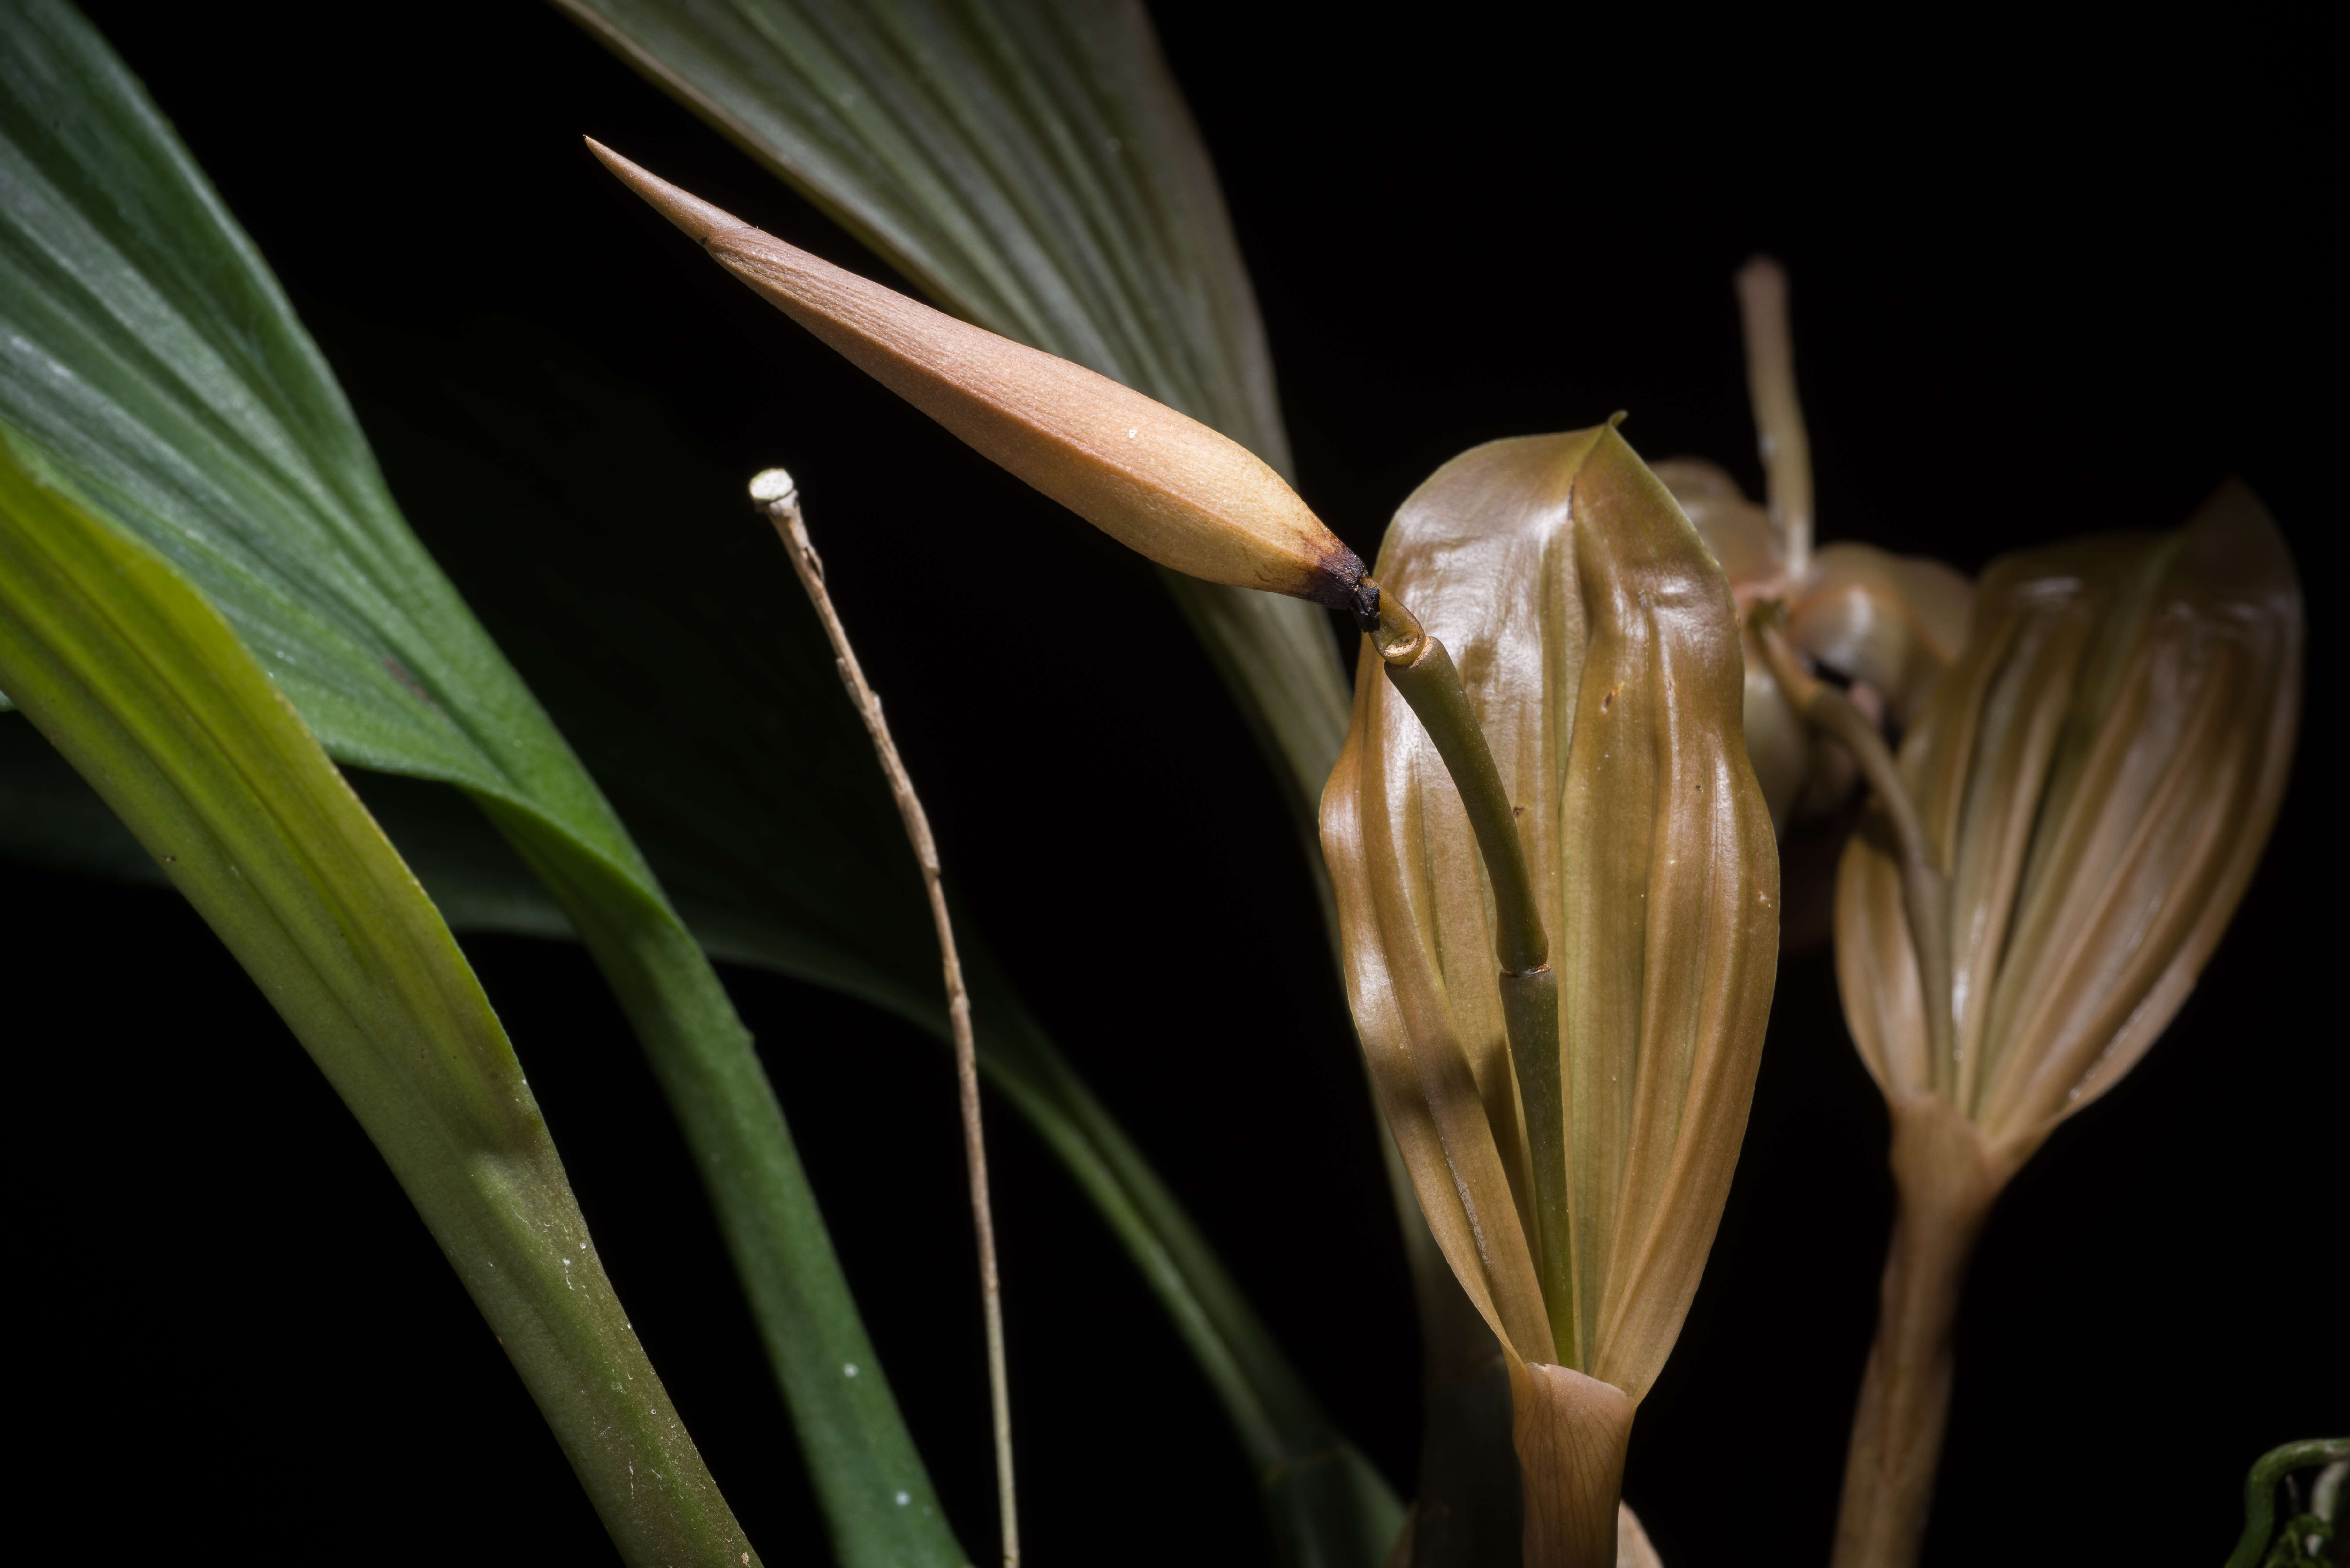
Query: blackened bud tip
point(1338, 583)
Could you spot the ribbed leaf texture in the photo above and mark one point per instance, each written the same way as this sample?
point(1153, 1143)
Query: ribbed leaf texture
point(1600, 647)
point(2098, 775)
point(150, 351)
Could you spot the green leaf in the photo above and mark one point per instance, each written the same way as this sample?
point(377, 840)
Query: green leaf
point(651, 640)
point(148, 693)
point(838, 905)
point(149, 351)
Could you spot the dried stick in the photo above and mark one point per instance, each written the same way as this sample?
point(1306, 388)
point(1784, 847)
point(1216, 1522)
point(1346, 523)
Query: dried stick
point(1778, 413)
point(777, 496)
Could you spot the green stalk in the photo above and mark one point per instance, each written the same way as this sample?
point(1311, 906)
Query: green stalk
point(146, 691)
point(1423, 673)
point(2259, 1492)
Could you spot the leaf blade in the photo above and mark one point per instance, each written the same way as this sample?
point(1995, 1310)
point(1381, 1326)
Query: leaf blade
point(150, 349)
point(146, 690)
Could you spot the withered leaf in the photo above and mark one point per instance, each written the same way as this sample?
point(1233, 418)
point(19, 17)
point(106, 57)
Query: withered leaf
point(2097, 773)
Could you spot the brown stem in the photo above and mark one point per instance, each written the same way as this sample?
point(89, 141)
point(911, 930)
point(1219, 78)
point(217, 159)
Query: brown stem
point(1779, 431)
point(1945, 1183)
point(1570, 1432)
point(778, 497)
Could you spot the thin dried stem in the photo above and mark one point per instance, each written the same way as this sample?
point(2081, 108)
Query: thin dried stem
point(1779, 430)
point(778, 497)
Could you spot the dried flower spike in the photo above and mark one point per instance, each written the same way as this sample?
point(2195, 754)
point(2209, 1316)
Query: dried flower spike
point(1158, 481)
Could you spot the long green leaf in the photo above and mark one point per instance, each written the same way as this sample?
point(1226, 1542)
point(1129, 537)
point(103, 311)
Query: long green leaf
point(805, 893)
point(148, 693)
point(581, 519)
point(149, 348)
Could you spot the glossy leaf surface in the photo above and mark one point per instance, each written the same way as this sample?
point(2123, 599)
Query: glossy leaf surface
point(148, 693)
point(774, 859)
point(2098, 775)
point(1599, 644)
point(1034, 169)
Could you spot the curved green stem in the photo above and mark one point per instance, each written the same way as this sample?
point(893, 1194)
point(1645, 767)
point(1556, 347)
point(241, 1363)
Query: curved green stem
point(1423, 673)
point(2259, 1491)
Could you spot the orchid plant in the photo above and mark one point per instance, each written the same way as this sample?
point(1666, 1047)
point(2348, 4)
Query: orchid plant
point(1590, 698)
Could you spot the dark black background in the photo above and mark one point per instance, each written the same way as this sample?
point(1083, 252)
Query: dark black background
point(2040, 290)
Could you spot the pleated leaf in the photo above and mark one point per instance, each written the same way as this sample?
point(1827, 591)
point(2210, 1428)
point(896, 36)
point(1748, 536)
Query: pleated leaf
point(1034, 169)
point(816, 898)
point(2099, 775)
point(149, 351)
point(147, 692)
point(620, 566)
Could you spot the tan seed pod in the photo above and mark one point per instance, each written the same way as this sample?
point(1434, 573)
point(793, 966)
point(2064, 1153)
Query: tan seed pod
point(1600, 647)
point(1158, 481)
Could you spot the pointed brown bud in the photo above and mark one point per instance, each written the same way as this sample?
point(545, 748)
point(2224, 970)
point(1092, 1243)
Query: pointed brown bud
point(1158, 481)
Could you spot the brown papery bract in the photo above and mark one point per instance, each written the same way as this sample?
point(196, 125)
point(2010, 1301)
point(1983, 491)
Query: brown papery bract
point(2098, 775)
point(2094, 778)
point(1158, 481)
point(1600, 647)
